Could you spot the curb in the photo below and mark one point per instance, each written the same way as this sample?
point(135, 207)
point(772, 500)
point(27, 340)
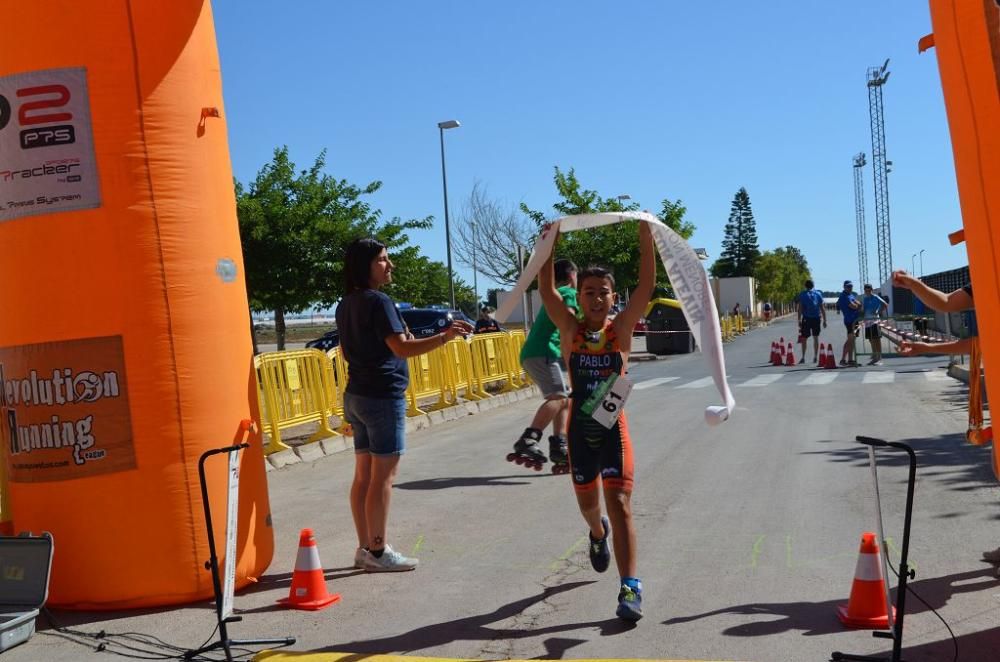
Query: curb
point(312, 451)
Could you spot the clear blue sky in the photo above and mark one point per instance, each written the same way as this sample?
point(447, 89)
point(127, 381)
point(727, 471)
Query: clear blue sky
point(656, 99)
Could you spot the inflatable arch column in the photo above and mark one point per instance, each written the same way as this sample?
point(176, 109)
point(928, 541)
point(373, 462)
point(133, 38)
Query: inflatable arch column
point(966, 40)
point(124, 334)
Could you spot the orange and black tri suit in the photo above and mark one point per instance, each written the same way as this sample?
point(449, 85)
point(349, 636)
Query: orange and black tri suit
point(594, 450)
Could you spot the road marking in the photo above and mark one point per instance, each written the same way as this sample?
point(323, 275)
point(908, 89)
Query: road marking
point(568, 552)
point(650, 383)
point(763, 380)
point(886, 377)
point(756, 551)
point(819, 379)
point(418, 545)
point(698, 383)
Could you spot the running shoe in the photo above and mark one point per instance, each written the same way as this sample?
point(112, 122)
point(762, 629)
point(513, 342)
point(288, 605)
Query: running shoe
point(360, 554)
point(390, 561)
point(600, 554)
point(630, 603)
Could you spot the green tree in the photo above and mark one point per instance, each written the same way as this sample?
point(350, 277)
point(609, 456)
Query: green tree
point(423, 282)
point(779, 274)
point(614, 246)
point(739, 246)
point(294, 227)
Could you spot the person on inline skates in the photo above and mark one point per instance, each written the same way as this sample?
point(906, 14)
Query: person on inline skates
point(540, 358)
point(596, 352)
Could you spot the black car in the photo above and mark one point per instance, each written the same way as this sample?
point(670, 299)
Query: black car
point(326, 342)
point(424, 322)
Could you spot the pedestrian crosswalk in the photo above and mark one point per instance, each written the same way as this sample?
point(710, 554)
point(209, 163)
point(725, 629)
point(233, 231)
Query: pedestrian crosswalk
point(797, 378)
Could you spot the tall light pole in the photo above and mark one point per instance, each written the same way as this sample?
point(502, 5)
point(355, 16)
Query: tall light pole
point(448, 124)
point(922, 262)
point(622, 198)
point(913, 263)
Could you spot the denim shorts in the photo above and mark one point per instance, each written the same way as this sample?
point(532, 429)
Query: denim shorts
point(379, 424)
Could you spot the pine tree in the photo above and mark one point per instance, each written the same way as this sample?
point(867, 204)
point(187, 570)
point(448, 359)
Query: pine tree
point(739, 247)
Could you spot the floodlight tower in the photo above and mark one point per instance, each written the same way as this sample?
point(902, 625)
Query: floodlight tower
point(880, 166)
point(859, 214)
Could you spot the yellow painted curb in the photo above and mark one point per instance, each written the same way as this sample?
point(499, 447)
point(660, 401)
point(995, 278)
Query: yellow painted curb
point(277, 656)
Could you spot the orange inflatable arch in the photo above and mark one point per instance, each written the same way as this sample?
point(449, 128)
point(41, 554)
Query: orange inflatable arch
point(124, 339)
point(966, 39)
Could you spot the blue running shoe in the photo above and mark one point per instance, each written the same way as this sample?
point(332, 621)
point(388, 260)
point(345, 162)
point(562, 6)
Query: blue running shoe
point(600, 555)
point(630, 603)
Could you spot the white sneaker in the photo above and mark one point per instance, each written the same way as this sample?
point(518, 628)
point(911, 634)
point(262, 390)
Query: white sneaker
point(390, 561)
point(360, 554)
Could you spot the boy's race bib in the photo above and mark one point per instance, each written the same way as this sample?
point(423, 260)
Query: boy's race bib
point(607, 401)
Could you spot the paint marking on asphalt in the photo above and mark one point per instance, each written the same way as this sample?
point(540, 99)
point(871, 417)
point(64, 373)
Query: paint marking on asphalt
point(819, 379)
point(756, 551)
point(569, 552)
point(763, 380)
point(698, 383)
point(418, 545)
point(650, 383)
point(886, 377)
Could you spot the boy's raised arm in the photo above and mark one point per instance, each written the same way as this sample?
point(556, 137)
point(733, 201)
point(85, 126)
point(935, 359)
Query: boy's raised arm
point(555, 307)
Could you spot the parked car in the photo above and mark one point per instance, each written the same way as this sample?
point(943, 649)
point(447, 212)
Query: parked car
point(424, 322)
point(326, 342)
point(640, 327)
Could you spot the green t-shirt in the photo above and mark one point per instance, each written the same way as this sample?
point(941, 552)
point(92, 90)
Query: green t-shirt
point(543, 339)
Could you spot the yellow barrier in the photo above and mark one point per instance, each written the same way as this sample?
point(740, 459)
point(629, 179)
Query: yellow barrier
point(307, 386)
point(295, 389)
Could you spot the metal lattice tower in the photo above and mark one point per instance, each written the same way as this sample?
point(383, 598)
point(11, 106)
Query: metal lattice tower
point(859, 214)
point(880, 166)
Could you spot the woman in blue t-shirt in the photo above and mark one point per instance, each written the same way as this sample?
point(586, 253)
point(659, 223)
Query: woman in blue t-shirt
point(376, 344)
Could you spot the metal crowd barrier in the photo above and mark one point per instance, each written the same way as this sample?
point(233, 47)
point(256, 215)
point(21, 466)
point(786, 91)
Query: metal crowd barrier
point(307, 386)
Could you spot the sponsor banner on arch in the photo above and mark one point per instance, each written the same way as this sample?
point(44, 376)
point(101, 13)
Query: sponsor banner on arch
point(65, 410)
point(47, 160)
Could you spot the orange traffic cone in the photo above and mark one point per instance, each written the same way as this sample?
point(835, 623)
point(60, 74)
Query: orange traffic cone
point(790, 355)
point(308, 589)
point(866, 607)
point(829, 361)
point(822, 356)
point(775, 355)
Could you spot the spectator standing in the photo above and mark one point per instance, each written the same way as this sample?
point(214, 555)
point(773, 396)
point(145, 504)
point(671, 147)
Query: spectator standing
point(810, 312)
point(376, 345)
point(875, 309)
point(486, 323)
point(849, 306)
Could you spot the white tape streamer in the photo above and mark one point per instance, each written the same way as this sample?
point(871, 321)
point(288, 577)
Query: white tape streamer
point(687, 276)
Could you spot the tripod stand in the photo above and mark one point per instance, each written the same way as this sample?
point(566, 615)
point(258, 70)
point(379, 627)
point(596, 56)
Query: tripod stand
point(225, 643)
point(896, 628)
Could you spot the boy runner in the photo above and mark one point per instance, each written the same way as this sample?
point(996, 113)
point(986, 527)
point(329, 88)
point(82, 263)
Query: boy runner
point(595, 350)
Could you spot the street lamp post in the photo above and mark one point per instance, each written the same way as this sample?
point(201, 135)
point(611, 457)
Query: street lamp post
point(922, 262)
point(913, 264)
point(449, 124)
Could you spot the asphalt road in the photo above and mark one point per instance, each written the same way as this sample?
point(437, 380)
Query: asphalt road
point(748, 532)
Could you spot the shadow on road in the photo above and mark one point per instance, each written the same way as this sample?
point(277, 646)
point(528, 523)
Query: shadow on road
point(819, 618)
point(947, 458)
point(444, 483)
point(478, 628)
